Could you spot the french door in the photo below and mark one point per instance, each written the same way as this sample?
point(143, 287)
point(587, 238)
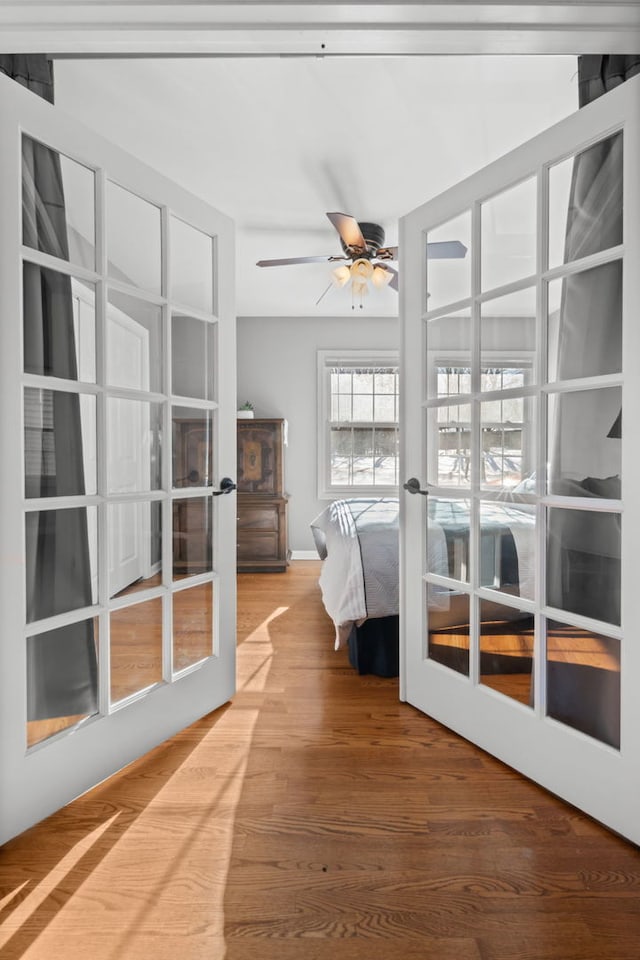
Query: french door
point(520, 507)
point(117, 426)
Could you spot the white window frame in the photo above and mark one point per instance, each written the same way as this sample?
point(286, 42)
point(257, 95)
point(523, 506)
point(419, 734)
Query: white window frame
point(326, 360)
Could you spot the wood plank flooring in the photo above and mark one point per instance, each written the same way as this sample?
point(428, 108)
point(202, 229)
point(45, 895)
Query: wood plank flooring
point(316, 817)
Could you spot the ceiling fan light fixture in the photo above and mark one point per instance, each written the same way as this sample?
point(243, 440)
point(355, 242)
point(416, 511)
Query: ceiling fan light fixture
point(361, 271)
point(341, 275)
point(381, 277)
point(359, 288)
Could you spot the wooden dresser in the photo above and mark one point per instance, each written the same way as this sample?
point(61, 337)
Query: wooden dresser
point(192, 467)
point(262, 504)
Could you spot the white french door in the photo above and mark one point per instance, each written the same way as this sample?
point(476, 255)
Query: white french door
point(97, 667)
point(520, 513)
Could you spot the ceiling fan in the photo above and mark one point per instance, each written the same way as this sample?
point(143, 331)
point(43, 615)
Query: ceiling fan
point(363, 244)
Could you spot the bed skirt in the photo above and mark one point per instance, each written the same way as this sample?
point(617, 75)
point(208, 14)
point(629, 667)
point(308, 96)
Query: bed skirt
point(374, 647)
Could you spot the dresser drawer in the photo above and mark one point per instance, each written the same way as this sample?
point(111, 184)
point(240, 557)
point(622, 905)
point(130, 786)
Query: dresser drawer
point(258, 517)
point(255, 545)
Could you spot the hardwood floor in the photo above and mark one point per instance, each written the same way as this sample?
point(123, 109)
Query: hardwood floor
point(316, 817)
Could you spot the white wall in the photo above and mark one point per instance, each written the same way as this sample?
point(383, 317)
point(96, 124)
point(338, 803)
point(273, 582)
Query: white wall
point(277, 372)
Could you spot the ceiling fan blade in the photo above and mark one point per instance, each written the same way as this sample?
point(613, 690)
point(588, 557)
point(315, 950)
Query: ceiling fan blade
point(387, 253)
point(349, 230)
point(446, 250)
point(393, 283)
point(285, 261)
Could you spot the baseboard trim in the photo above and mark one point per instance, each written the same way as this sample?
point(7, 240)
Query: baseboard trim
point(304, 555)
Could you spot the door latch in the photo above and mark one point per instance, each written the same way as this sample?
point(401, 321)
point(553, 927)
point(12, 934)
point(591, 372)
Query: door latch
point(413, 486)
point(226, 486)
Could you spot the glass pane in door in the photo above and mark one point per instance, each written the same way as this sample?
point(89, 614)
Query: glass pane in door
point(508, 547)
point(583, 680)
point(448, 625)
point(508, 341)
point(60, 561)
point(193, 344)
point(584, 335)
point(192, 447)
point(585, 452)
point(134, 531)
point(583, 563)
point(448, 537)
point(62, 678)
point(192, 537)
point(191, 266)
point(508, 250)
point(134, 343)
point(134, 445)
point(136, 648)
point(60, 454)
point(449, 429)
point(506, 650)
point(448, 360)
point(192, 625)
point(508, 439)
point(59, 324)
point(134, 244)
point(585, 202)
point(58, 205)
point(448, 262)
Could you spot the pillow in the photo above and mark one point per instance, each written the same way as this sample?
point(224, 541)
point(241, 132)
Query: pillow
point(607, 487)
point(320, 540)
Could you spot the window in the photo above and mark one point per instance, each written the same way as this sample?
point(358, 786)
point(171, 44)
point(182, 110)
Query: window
point(358, 423)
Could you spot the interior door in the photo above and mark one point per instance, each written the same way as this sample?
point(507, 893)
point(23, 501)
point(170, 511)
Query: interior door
point(96, 669)
point(519, 508)
point(128, 347)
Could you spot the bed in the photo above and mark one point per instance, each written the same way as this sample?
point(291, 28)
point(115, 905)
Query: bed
point(357, 539)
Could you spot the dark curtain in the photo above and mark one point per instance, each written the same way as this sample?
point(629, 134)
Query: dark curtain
point(584, 548)
point(62, 675)
point(31, 70)
point(598, 75)
point(594, 222)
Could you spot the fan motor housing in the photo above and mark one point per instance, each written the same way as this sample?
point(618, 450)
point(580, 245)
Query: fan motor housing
point(373, 237)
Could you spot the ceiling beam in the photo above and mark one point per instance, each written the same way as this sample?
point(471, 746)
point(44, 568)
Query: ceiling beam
point(67, 28)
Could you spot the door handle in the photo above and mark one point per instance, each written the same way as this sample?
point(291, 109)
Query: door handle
point(226, 486)
point(413, 486)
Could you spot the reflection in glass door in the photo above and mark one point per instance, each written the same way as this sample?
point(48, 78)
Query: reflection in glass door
point(514, 628)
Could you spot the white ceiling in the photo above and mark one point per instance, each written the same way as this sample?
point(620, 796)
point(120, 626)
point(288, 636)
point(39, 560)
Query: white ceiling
point(276, 142)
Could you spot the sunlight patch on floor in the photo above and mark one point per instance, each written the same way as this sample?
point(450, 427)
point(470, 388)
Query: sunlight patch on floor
point(254, 656)
point(34, 900)
point(163, 880)
point(5, 901)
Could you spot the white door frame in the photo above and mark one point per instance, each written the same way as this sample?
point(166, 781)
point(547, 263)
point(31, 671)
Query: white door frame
point(37, 781)
point(319, 28)
point(599, 779)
